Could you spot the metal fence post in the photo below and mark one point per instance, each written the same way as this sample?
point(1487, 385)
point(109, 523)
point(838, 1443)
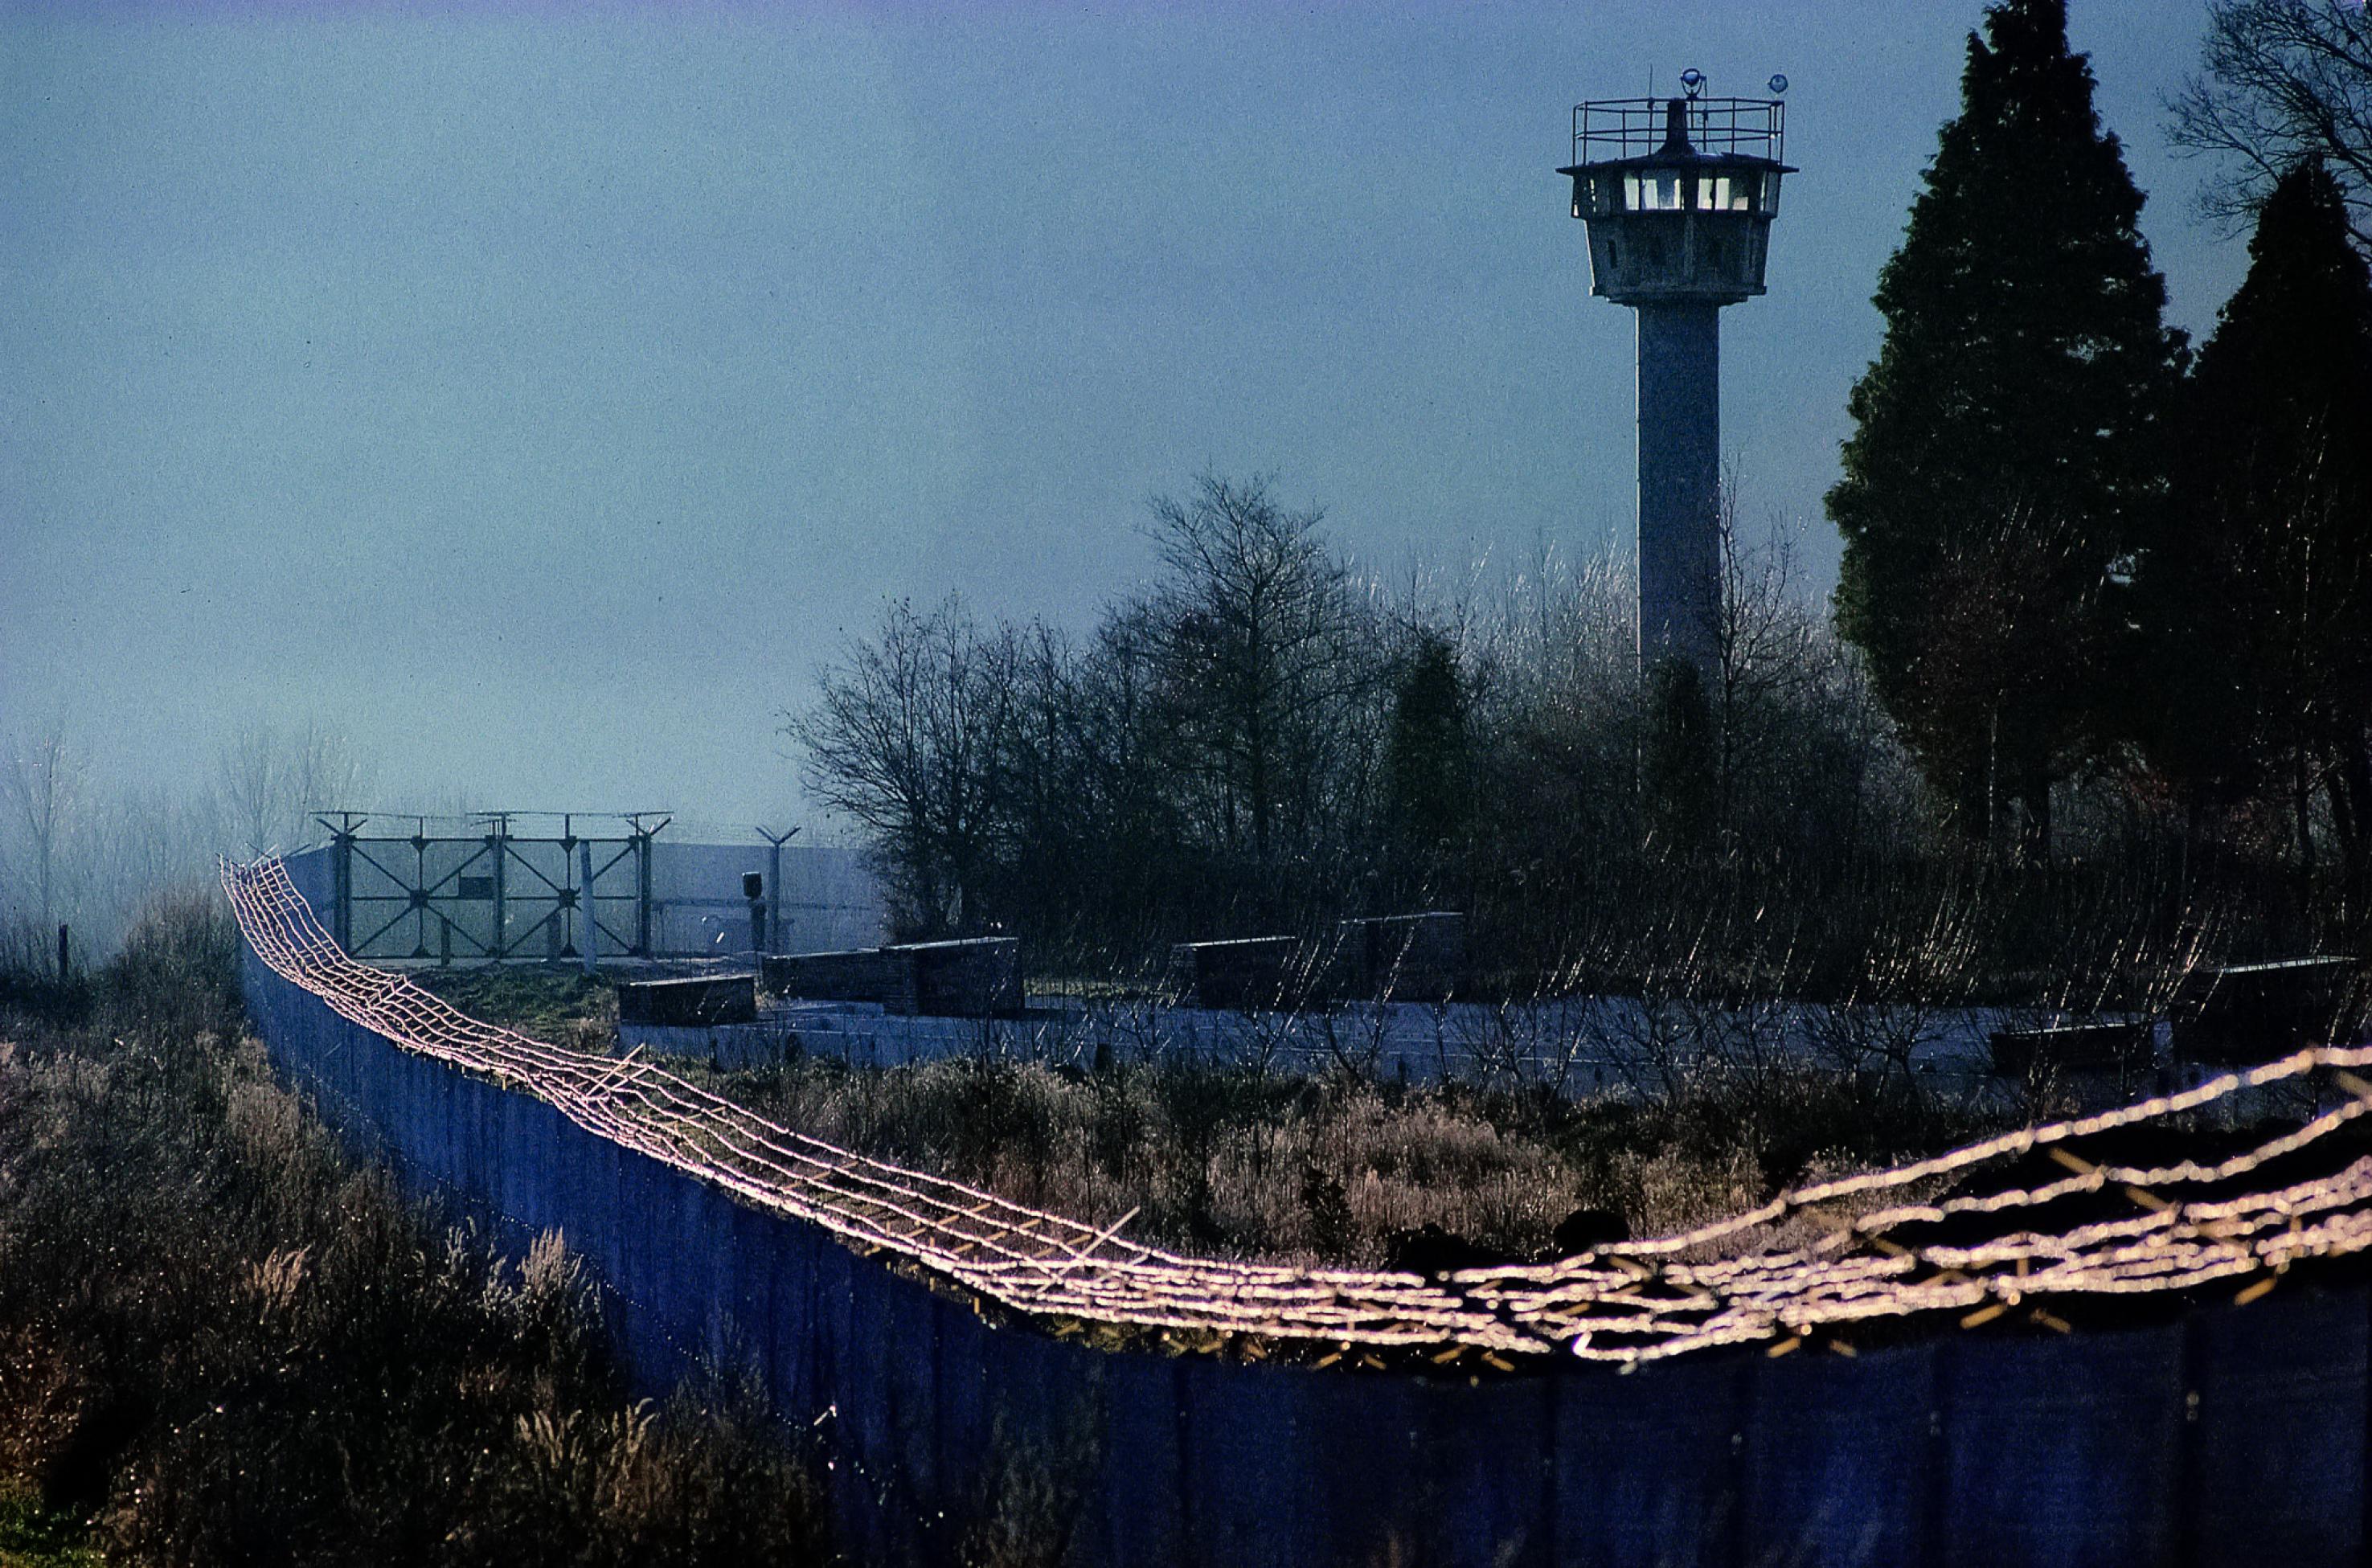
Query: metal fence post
point(499, 841)
point(341, 874)
point(641, 892)
point(342, 887)
point(774, 842)
point(588, 937)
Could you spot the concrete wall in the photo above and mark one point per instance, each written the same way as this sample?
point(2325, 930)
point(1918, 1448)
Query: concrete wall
point(1679, 480)
point(1582, 1045)
point(697, 1002)
point(315, 877)
point(2218, 1435)
point(829, 896)
point(1409, 957)
point(977, 977)
point(881, 975)
point(1245, 974)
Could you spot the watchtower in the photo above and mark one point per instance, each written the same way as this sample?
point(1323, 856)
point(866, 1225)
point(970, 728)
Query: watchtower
point(1678, 194)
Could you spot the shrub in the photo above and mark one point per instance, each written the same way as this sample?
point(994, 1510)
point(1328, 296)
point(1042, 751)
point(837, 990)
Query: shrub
point(221, 1342)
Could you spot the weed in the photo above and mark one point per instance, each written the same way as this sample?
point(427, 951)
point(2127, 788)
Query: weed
point(221, 1342)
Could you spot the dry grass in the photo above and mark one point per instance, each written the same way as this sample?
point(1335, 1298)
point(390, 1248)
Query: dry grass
point(1235, 1163)
point(563, 1005)
point(222, 1343)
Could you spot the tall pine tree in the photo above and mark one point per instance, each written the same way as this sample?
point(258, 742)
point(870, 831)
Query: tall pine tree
point(2005, 446)
point(2255, 598)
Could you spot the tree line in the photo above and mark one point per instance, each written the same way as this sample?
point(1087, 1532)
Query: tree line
point(1262, 738)
point(2071, 542)
point(2102, 615)
point(81, 851)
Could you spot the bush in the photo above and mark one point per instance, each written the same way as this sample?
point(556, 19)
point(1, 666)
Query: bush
point(220, 1343)
point(1234, 1162)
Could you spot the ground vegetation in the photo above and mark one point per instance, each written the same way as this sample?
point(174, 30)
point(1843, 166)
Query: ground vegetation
point(222, 1342)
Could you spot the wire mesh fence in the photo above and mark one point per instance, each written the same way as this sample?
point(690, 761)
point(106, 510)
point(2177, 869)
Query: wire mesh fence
point(2174, 1194)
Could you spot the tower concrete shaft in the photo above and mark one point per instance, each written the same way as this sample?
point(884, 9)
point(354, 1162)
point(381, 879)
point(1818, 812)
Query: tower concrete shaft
point(1678, 194)
point(1680, 484)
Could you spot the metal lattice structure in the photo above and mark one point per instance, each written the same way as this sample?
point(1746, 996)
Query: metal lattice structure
point(492, 892)
point(2039, 1222)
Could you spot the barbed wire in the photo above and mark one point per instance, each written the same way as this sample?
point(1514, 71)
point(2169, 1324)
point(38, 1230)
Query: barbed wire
point(1928, 1237)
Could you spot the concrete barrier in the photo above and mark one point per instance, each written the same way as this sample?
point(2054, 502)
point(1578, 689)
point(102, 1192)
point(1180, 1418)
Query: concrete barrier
point(1402, 957)
point(697, 1002)
point(977, 977)
point(2249, 1013)
point(1244, 973)
point(2128, 1047)
point(969, 978)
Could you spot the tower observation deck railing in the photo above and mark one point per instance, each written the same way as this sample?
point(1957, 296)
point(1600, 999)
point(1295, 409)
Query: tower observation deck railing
point(1606, 130)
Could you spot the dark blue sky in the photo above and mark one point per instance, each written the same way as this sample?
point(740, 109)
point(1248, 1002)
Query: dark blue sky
point(539, 396)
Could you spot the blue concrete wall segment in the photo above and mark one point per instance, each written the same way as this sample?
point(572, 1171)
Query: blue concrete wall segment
point(2062, 1448)
point(1371, 1488)
point(1839, 1458)
point(791, 1331)
point(909, 1364)
point(2278, 1461)
point(588, 1174)
point(1246, 1439)
point(314, 876)
point(1648, 1466)
point(639, 1267)
point(964, 1410)
point(856, 1324)
point(699, 1270)
point(523, 1177)
point(756, 1267)
point(1484, 1470)
point(1138, 1510)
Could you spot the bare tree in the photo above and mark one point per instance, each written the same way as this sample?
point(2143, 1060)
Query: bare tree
point(1255, 629)
point(47, 795)
point(269, 780)
point(1770, 655)
point(905, 737)
point(2285, 81)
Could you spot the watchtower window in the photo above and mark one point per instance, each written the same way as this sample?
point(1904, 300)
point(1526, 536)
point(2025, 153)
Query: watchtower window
point(1653, 193)
point(1726, 193)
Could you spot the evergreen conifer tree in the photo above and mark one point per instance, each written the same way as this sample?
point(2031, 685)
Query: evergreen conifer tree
point(2255, 598)
point(2004, 454)
point(1428, 784)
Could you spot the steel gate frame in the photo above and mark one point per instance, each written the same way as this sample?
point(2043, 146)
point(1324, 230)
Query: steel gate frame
point(572, 906)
